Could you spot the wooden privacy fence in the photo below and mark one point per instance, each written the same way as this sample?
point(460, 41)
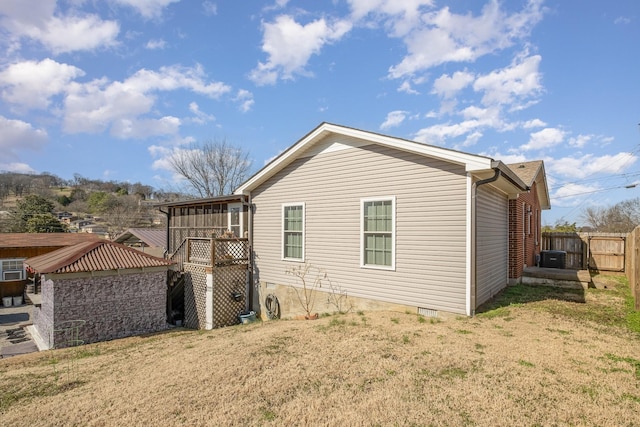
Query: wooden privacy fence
point(633, 264)
point(593, 251)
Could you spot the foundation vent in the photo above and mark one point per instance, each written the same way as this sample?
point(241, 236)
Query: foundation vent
point(427, 312)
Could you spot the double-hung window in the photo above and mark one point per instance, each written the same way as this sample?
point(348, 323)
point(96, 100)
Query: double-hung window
point(12, 269)
point(378, 232)
point(293, 231)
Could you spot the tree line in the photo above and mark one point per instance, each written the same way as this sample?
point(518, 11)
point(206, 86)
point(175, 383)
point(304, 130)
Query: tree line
point(208, 169)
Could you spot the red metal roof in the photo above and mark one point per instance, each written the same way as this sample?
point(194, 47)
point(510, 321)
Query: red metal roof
point(94, 256)
point(30, 240)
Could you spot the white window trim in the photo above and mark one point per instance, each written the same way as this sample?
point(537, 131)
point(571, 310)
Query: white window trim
point(392, 267)
point(240, 217)
point(282, 230)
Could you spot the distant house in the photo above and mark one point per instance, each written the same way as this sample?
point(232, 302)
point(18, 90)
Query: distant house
point(152, 241)
point(62, 216)
point(16, 247)
point(525, 218)
point(80, 223)
point(98, 229)
point(96, 291)
point(393, 222)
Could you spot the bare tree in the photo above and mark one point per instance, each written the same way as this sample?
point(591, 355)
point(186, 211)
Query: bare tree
point(622, 217)
point(213, 168)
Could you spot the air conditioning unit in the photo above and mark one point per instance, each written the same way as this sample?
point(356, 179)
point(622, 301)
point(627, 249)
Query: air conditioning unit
point(553, 259)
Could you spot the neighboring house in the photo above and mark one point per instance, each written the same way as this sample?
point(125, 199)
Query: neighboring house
point(80, 223)
point(207, 239)
point(16, 247)
point(525, 218)
point(99, 229)
point(152, 241)
point(64, 216)
point(97, 291)
point(393, 222)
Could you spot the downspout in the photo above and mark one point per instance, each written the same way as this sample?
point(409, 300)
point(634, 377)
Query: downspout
point(250, 293)
point(166, 250)
point(474, 256)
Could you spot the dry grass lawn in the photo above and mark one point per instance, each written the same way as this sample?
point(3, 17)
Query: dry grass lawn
point(536, 356)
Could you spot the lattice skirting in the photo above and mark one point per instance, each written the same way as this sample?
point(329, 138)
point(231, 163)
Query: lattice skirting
point(228, 280)
point(195, 287)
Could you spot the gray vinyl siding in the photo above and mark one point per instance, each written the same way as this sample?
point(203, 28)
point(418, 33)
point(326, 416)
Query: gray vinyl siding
point(493, 239)
point(430, 259)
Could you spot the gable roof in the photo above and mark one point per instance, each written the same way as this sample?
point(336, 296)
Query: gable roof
point(30, 240)
point(482, 167)
point(530, 172)
point(153, 237)
point(102, 255)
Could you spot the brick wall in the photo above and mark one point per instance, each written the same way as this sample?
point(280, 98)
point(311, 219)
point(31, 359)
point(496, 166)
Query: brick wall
point(524, 232)
point(112, 306)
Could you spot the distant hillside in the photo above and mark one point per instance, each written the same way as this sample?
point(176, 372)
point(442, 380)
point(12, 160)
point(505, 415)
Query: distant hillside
point(110, 206)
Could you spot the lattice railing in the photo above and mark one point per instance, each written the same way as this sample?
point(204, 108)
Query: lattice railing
point(231, 252)
point(198, 250)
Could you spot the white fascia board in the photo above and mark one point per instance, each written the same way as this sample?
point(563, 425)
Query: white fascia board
point(471, 162)
point(281, 161)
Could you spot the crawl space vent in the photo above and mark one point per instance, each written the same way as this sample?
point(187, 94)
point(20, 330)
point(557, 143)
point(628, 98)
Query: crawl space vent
point(427, 312)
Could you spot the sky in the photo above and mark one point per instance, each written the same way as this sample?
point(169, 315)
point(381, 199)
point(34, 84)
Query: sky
point(110, 89)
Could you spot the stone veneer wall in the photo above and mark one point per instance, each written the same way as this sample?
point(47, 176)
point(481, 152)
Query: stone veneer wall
point(43, 315)
point(112, 307)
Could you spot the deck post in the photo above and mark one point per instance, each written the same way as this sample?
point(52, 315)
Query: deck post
point(209, 299)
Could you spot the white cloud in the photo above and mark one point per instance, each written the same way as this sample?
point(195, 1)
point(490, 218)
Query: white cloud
point(210, 8)
point(16, 135)
point(534, 123)
point(394, 118)
point(572, 190)
point(443, 36)
point(440, 133)
point(16, 167)
point(506, 158)
point(245, 99)
point(546, 138)
point(519, 81)
point(31, 84)
point(589, 165)
point(60, 33)
point(127, 128)
point(448, 86)
point(406, 88)
point(156, 44)
point(290, 45)
point(98, 105)
point(580, 140)
point(622, 20)
point(399, 16)
point(200, 117)
point(148, 8)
